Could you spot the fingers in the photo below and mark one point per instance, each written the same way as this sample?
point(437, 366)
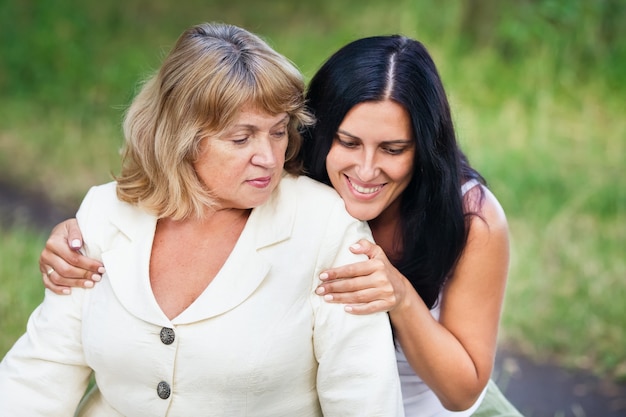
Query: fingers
point(60, 281)
point(362, 302)
point(57, 289)
point(352, 297)
point(374, 294)
point(366, 247)
point(74, 237)
point(57, 273)
point(69, 263)
point(377, 306)
point(59, 285)
point(62, 266)
point(376, 261)
point(63, 289)
point(355, 291)
point(357, 269)
point(365, 286)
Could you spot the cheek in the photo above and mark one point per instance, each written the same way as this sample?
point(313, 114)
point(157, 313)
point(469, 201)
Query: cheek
point(402, 182)
point(282, 153)
point(333, 161)
point(335, 170)
point(205, 167)
point(279, 150)
point(401, 171)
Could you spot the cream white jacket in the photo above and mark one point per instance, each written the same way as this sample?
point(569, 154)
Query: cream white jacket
point(257, 342)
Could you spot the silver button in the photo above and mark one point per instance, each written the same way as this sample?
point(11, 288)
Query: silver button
point(163, 390)
point(167, 335)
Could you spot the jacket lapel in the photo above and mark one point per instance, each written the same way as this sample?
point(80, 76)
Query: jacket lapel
point(128, 263)
point(246, 267)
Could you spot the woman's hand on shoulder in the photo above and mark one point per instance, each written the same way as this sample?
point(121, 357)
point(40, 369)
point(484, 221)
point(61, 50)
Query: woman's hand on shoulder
point(365, 287)
point(62, 265)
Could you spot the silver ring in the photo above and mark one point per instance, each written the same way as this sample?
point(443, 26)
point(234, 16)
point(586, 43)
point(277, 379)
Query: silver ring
point(49, 271)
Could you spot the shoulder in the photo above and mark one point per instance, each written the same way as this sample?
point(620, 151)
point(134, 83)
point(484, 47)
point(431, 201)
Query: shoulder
point(308, 188)
point(489, 220)
point(102, 215)
point(309, 194)
point(312, 203)
point(102, 200)
point(98, 197)
point(106, 190)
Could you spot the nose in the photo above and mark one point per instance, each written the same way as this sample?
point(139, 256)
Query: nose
point(367, 168)
point(264, 153)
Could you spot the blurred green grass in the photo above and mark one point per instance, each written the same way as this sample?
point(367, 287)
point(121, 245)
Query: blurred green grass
point(538, 95)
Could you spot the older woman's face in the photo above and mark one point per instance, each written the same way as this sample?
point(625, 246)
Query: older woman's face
point(243, 165)
point(370, 162)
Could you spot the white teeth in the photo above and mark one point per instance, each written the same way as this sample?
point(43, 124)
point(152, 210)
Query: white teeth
point(365, 190)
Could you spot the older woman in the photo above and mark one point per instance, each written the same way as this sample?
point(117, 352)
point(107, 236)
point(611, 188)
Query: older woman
point(212, 252)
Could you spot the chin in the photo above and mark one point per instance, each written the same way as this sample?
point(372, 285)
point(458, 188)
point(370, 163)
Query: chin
point(363, 215)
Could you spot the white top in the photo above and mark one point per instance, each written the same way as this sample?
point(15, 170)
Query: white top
point(419, 399)
point(468, 186)
point(257, 342)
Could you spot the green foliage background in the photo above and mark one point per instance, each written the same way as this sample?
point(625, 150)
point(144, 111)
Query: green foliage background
point(538, 95)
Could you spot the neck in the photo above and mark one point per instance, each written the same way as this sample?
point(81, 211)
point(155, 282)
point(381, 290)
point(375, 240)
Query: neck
point(386, 231)
point(210, 220)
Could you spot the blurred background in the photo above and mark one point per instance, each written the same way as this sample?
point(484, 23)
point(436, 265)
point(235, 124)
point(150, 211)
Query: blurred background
point(538, 94)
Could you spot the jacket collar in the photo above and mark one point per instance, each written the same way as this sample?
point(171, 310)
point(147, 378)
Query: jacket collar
point(127, 264)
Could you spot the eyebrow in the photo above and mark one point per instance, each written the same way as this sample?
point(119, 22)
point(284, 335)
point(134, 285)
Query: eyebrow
point(391, 141)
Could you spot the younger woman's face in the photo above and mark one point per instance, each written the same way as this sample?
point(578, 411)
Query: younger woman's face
point(370, 162)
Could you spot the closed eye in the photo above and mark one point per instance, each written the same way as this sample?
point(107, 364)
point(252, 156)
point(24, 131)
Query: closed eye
point(280, 134)
point(346, 143)
point(240, 141)
point(393, 151)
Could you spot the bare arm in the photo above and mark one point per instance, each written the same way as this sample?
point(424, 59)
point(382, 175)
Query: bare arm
point(454, 356)
point(61, 263)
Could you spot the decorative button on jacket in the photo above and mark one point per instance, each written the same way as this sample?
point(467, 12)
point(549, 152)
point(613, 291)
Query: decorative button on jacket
point(167, 336)
point(163, 390)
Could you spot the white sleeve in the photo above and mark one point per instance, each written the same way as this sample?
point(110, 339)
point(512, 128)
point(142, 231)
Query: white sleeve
point(44, 373)
point(357, 374)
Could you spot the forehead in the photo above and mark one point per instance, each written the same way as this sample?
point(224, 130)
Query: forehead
point(381, 119)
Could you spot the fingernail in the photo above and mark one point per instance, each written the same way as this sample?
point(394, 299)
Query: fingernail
point(66, 291)
point(75, 243)
point(328, 297)
point(96, 277)
point(348, 309)
point(319, 290)
point(88, 284)
point(355, 246)
point(323, 275)
point(101, 270)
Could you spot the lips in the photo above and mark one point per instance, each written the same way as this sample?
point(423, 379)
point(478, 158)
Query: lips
point(363, 189)
point(260, 182)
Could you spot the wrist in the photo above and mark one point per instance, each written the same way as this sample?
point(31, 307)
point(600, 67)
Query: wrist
point(408, 293)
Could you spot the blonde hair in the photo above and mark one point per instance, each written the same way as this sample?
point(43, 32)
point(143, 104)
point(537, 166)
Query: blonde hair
point(213, 71)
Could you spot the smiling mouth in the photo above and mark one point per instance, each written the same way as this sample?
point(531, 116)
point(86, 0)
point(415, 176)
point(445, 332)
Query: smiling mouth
point(365, 190)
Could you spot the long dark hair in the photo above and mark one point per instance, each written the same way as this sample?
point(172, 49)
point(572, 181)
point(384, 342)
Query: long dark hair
point(433, 227)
